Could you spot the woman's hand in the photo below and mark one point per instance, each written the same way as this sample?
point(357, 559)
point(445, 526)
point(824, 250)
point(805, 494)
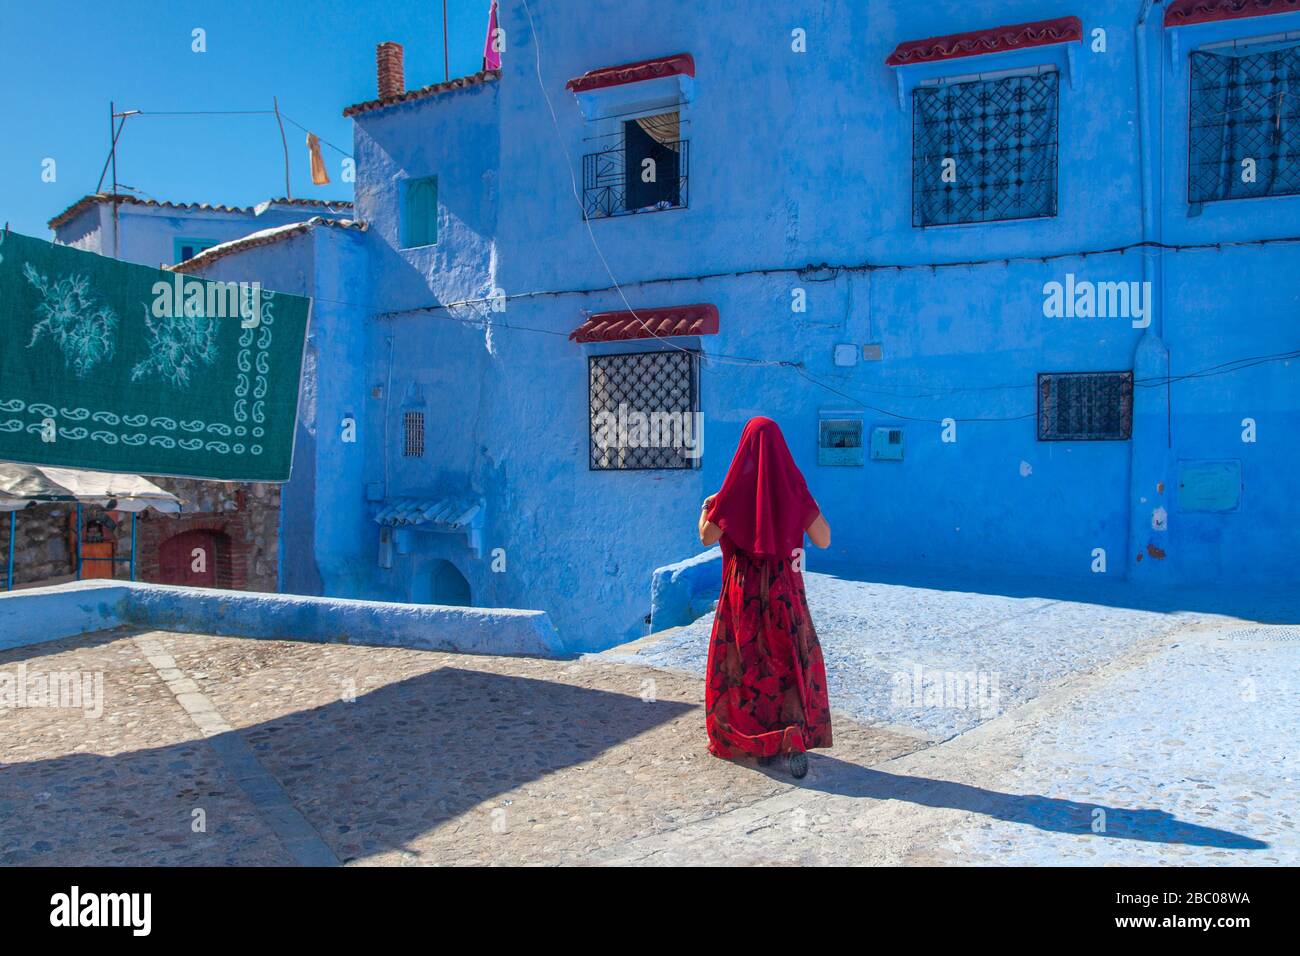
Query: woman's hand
point(709, 532)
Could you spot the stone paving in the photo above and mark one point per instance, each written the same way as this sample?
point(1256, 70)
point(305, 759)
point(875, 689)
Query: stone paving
point(392, 756)
point(1178, 749)
point(1201, 737)
point(887, 646)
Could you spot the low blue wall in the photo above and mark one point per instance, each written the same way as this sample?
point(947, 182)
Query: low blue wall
point(682, 592)
point(47, 614)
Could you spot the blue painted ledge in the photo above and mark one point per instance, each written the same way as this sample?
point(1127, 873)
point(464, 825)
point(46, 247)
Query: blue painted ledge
point(47, 614)
point(682, 592)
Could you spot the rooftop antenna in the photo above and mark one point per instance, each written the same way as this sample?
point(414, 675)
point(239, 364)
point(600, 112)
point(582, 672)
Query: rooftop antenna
point(288, 192)
point(446, 61)
point(114, 131)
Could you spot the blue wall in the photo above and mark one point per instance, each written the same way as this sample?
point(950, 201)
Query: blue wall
point(796, 159)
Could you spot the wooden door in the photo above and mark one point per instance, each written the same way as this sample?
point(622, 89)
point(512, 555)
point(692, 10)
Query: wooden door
point(190, 558)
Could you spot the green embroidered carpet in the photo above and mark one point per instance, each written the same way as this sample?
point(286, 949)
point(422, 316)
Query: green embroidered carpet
point(113, 366)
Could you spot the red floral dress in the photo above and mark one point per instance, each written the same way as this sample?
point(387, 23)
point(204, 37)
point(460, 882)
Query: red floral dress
point(765, 688)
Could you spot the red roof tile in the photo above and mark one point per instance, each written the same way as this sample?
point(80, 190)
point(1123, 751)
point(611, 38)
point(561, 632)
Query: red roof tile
point(678, 64)
point(997, 40)
point(424, 92)
point(1184, 12)
point(648, 324)
point(262, 238)
point(85, 202)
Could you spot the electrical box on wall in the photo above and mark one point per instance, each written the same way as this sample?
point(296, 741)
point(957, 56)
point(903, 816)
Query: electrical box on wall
point(839, 440)
point(1209, 485)
point(886, 444)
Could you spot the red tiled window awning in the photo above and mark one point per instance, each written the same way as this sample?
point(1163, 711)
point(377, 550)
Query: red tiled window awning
point(1186, 12)
point(997, 40)
point(648, 324)
point(679, 64)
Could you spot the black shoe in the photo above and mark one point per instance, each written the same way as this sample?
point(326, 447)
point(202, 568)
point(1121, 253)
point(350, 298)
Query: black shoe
point(798, 765)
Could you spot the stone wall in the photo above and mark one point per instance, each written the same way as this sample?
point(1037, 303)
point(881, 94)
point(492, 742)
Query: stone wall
point(44, 546)
point(247, 514)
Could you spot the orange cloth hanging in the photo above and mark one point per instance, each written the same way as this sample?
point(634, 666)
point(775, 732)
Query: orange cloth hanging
point(318, 174)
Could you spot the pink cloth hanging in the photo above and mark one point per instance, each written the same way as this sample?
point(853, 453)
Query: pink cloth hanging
point(491, 55)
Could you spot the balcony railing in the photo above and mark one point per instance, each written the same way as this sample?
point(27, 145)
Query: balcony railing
point(610, 188)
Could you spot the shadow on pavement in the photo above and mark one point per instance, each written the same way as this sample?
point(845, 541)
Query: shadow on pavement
point(1052, 814)
point(369, 775)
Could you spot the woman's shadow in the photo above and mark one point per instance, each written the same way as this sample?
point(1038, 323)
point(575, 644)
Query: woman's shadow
point(1052, 814)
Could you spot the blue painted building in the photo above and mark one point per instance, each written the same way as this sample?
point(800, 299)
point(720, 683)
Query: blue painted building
point(160, 233)
point(1017, 278)
point(240, 523)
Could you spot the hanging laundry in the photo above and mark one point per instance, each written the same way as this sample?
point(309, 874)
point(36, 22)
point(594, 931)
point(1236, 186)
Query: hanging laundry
point(110, 366)
point(318, 174)
point(493, 45)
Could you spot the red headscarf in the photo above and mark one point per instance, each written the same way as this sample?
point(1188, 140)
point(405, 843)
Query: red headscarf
point(764, 505)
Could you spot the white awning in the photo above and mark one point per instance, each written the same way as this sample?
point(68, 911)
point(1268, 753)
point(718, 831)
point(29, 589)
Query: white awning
point(25, 485)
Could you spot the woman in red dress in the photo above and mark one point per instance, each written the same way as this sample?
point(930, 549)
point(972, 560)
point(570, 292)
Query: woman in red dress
point(765, 688)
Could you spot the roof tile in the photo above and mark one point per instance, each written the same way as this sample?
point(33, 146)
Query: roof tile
point(679, 64)
point(85, 202)
point(424, 92)
point(1186, 12)
point(648, 324)
point(997, 40)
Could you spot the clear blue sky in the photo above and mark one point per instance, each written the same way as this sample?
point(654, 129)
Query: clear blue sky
point(64, 60)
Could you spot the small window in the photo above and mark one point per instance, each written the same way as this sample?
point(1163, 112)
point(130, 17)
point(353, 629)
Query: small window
point(1085, 406)
point(839, 442)
point(183, 250)
point(1244, 123)
point(641, 169)
point(644, 411)
point(420, 212)
point(887, 444)
point(413, 446)
point(985, 150)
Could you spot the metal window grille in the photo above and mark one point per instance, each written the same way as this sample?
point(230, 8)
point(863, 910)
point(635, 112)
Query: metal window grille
point(1085, 406)
point(839, 442)
point(413, 446)
point(612, 179)
point(1244, 124)
point(997, 139)
point(644, 411)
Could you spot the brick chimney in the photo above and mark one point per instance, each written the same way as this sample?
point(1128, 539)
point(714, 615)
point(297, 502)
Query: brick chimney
point(392, 75)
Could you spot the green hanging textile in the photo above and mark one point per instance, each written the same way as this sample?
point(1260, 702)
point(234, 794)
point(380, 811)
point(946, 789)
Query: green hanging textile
point(111, 366)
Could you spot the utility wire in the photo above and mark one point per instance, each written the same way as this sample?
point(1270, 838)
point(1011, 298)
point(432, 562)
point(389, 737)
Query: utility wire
point(825, 272)
point(340, 149)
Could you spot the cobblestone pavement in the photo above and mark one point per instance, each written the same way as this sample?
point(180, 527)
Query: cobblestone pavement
point(1179, 749)
point(1192, 749)
point(391, 756)
point(884, 643)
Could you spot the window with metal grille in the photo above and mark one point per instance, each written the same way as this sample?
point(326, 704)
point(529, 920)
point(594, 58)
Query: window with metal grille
point(1244, 123)
point(642, 168)
point(985, 150)
point(1085, 406)
point(413, 446)
point(644, 411)
point(839, 442)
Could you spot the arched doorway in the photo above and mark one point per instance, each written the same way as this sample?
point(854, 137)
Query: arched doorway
point(198, 558)
point(448, 586)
